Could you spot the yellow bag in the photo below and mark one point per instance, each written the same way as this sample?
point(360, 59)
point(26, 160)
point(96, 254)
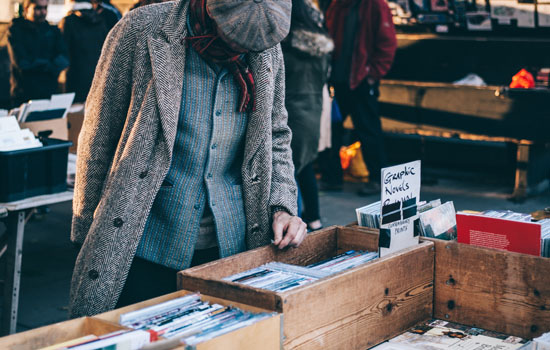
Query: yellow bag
point(351, 159)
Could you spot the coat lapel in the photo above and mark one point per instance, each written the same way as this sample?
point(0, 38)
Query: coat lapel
point(167, 52)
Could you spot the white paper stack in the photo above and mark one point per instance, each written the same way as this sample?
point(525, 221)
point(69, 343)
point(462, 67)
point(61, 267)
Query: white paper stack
point(12, 138)
point(542, 342)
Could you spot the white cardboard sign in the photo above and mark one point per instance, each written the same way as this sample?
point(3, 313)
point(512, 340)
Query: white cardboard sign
point(400, 196)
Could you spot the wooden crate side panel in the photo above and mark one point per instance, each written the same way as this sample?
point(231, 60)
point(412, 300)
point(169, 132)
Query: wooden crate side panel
point(100, 327)
point(361, 308)
point(317, 246)
point(264, 335)
point(352, 238)
point(491, 289)
point(56, 333)
point(238, 293)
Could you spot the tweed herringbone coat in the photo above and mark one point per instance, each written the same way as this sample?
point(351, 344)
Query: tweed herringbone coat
point(125, 148)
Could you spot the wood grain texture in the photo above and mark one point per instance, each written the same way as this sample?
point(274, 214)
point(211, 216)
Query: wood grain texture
point(492, 289)
point(264, 335)
point(352, 238)
point(235, 292)
point(364, 306)
point(57, 333)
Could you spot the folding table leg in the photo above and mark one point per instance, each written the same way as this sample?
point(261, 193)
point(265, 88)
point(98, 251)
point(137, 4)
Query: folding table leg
point(14, 254)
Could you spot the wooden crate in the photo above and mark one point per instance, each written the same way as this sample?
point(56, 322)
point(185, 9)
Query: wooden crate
point(57, 333)
point(489, 288)
point(265, 334)
point(354, 309)
point(492, 289)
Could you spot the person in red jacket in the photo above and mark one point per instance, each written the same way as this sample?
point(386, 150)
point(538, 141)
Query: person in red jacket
point(365, 44)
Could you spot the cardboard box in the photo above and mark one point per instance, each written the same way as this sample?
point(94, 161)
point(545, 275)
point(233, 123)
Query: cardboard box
point(354, 309)
point(265, 334)
point(57, 333)
point(75, 119)
point(57, 126)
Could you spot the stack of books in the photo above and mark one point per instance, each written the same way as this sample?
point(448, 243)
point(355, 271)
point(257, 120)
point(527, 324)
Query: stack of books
point(541, 343)
point(543, 78)
point(277, 277)
point(436, 220)
point(369, 215)
point(438, 334)
point(188, 320)
point(545, 237)
point(281, 277)
point(505, 229)
point(124, 339)
point(344, 261)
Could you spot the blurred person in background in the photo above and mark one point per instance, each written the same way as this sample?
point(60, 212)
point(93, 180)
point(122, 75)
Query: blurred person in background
point(306, 52)
point(108, 12)
point(84, 31)
point(37, 54)
point(106, 4)
point(365, 44)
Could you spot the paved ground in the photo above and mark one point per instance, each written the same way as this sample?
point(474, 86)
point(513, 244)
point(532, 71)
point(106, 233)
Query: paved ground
point(48, 256)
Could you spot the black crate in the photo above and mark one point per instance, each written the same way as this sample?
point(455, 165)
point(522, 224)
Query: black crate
point(35, 171)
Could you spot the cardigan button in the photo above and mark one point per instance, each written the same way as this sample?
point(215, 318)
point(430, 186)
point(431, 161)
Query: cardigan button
point(143, 174)
point(255, 228)
point(93, 274)
point(118, 222)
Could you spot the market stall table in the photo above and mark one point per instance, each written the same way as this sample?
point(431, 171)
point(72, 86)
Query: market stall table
point(14, 215)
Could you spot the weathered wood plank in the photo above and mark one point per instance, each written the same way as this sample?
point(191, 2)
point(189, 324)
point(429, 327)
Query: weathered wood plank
point(362, 307)
point(235, 292)
point(264, 335)
point(57, 333)
point(352, 238)
point(492, 289)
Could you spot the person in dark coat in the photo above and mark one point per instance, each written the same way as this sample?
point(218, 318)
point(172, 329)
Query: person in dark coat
point(306, 52)
point(365, 45)
point(37, 54)
point(108, 12)
point(84, 31)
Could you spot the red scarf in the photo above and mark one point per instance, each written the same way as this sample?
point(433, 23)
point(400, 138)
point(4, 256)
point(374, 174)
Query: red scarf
point(212, 48)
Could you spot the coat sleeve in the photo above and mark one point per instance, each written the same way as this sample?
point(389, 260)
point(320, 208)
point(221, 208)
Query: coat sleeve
point(106, 109)
point(385, 41)
point(283, 185)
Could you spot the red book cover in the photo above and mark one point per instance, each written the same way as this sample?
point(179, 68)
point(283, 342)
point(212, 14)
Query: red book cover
point(514, 236)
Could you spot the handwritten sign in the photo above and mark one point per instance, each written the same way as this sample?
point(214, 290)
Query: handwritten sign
point(400, 196)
